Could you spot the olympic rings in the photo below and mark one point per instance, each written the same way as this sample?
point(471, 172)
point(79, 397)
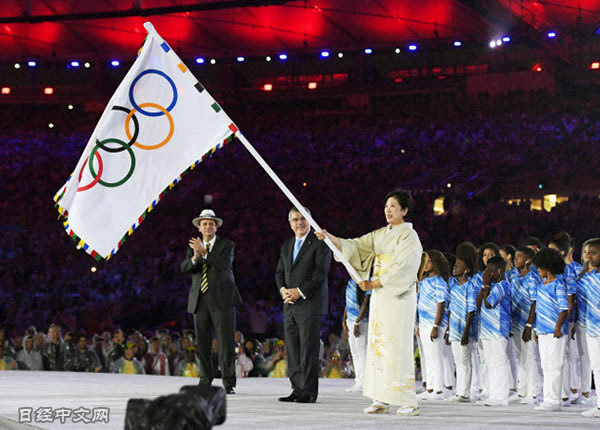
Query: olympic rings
point(102, 144)
point(132, 139)
point(169, 80)
point(97, 178)
point(162, 110)
point(127, 176)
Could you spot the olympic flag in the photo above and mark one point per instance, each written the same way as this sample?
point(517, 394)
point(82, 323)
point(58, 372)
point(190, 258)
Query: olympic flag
point(160, 123)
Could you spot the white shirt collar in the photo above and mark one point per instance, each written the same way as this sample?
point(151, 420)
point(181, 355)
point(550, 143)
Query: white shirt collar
point(301, 238)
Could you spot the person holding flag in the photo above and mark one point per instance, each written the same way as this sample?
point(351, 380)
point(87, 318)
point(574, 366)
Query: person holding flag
point(394, 252)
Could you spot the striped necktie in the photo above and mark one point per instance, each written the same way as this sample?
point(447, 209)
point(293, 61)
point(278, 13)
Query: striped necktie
point(204, 283)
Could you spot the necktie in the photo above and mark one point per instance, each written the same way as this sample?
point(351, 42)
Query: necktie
point(204, 283)
point(296, 249)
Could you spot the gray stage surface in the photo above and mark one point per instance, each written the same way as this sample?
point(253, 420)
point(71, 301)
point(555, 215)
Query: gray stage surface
point(254, 407)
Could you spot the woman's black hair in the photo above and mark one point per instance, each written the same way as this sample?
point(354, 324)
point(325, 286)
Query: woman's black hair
point(403, 198)
point(510, 250)
point(551, 260)
point(467, 252)
point(440, 264)
point(482, 248)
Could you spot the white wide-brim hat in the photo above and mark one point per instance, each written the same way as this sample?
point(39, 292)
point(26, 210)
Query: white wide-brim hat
point(207, 214)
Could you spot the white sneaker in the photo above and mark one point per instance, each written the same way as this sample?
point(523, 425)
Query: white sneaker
point(548, 407)
point(354, 389)
point(452, 399)
point(408, 411)
point(565, 403)
point(495, 403)
point(513, 397)
point(432, 396)
point(377, 408)
point(592, 413)
point(529, 400)
point(463, 399)
point(582, 400)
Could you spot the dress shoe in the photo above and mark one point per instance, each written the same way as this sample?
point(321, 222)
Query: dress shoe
point(291, 398)
point(306, 398)
point(230, 390)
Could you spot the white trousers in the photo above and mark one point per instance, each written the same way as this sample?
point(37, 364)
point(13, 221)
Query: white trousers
point(498, 369)
point(464, 367)
point(552, 355)
point(512, 358)
point(566, 371)
point(593, 344)
point(358, 349)
point(584, 358)
point(475, 375)
point(433, 352)
point(529, 375)
point(422, 356)
point(448, 362)
point(483, 370)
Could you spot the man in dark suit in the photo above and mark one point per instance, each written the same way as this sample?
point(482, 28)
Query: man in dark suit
point(301, 278)
point(213, 297)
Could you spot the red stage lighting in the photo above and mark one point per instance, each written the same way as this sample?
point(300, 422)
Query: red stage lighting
point(48, 91)
point(5, 90)
point(537, 68)
point(312, 85)
point(267, 87)
point(595, 65)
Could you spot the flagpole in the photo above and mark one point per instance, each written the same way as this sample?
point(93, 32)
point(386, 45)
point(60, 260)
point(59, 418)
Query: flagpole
point(297, 204)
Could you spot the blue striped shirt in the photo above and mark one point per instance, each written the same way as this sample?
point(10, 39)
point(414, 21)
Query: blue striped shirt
point(432, 290)
point(593, 309)
point(551, 301)
point(458, 311)
point(521, 300)
point(512, 274)
point(582, 301)
point(495, 322)
point(570, 277)
point(352, 305)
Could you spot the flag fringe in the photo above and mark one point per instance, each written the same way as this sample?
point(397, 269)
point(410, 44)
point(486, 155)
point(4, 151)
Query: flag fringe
point(81, 244)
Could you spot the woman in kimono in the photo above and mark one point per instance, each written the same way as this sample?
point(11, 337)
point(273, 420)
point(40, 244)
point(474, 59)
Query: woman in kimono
point(394, 252)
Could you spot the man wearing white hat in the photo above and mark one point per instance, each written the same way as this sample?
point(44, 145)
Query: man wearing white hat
point(213, 297)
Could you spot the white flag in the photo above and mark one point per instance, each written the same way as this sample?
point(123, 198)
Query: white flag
point(159, 123)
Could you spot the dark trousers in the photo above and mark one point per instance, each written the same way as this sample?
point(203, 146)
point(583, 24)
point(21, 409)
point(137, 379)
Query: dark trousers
point(223, 322)
point(302, 344)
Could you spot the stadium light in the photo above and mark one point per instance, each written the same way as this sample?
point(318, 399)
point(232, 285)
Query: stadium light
point(595, 65)
point(267, 87)
point(340, 55)
point(17, 66)
point(268, 58)
point(48, 91)
point(5, 91)
point(283, 57)
point(199, 60)
point(324, 54)
point(86, 65)
point(240, 59)
point(368, 51)
point(493, 44)
point(312, 85)
point(457, 43)
point(31, 63)
point(74, 63)
point(537, 68)
point(551, 34)
point(506, 39)
point(115, 63)
point(412, 47)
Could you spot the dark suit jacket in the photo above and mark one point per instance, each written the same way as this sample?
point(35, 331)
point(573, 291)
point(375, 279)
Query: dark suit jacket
point(222, 292)
point(308, 273)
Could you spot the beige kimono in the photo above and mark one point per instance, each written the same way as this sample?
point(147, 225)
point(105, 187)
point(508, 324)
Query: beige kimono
point(395, 254)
